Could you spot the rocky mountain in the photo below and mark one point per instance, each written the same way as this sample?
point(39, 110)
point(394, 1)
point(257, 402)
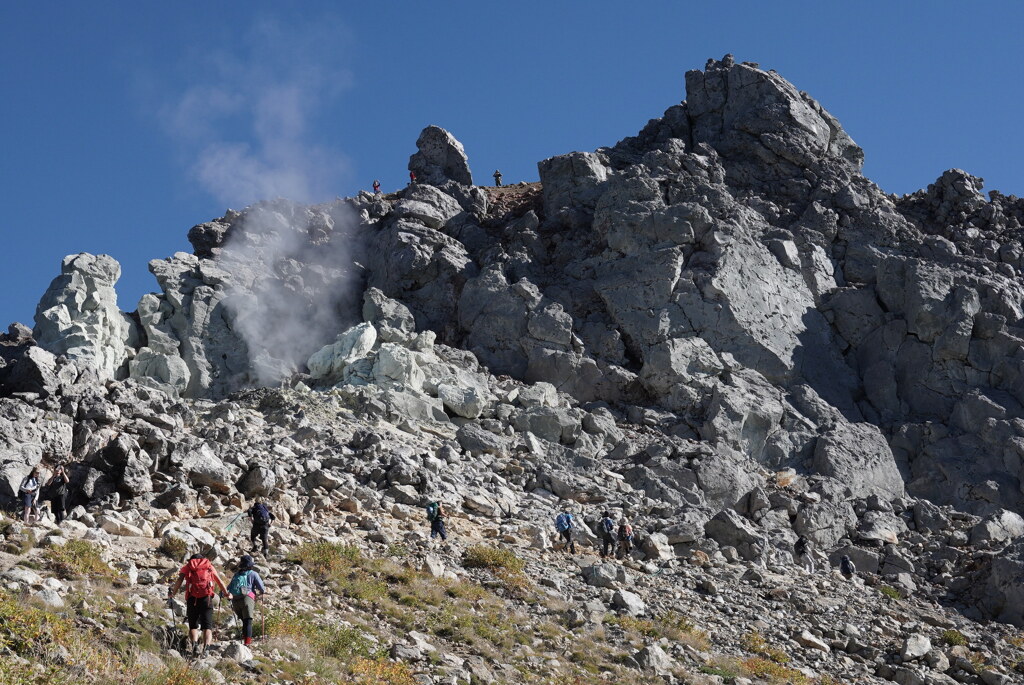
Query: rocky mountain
point(717, 327)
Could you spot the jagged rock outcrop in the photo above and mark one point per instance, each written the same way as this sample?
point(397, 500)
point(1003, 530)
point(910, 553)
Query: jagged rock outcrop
point(78, 316)
point(718, 327)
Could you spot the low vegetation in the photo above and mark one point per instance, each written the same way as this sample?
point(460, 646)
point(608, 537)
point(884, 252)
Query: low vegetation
point(954, 638)
point(77, 559)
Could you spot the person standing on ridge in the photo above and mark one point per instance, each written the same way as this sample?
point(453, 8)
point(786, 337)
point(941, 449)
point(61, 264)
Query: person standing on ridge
point(201, 581)
point(607, 526)
point(436, 515)
point(29, 490)
point(412, 177)
point(261, 517)
point(564, 524)
point(244, 587)
point(376, 187)
point(58, 486)
point(497, 178)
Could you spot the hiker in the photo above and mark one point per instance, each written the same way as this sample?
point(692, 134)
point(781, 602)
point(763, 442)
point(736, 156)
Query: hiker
point(58, 488)
point(376, 187)
point(625, 537)
point(436, 515)
point(201, 581)
point(497, 178)
point(847, 567)
point(607, 526)
point(243, 588)
point(802, 551)
point(29, 493)
point(412, 177)
point(261, 517)
point(564, 524)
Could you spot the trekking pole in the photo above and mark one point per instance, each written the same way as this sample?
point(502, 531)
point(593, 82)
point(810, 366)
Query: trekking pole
point(263, 617)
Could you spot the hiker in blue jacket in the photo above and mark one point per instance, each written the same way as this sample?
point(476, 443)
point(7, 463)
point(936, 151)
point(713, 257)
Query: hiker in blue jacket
point(564, 524)
point(261, 517)
point(245, 585)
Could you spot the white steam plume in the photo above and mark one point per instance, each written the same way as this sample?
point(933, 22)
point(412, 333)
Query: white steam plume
point(244, 121)
point(243, 117)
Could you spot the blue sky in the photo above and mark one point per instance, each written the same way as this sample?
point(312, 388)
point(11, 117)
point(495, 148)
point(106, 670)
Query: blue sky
point(124, 124)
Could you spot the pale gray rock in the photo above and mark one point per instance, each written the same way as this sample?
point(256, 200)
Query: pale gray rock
point(729, 529)
point(857, 455)
point(915, 647)
point(998, 529)
point(78, 316)
point(629, 602)
point(330, 361)
point(653, 658)
point(25, 436)
point(440, 158)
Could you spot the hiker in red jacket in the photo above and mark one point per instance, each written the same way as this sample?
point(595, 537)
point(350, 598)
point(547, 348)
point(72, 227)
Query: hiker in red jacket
point(376, 187)
point(200, 579)
point(412, 177)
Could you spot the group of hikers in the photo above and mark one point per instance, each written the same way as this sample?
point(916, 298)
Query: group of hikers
point(412, 181)
point(616, 537)
point(201, 582)
point(31, 490)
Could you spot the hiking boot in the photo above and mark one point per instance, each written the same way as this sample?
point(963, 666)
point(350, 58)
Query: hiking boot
point(247, 641)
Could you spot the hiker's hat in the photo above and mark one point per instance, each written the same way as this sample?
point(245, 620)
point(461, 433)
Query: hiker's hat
point(246, 562)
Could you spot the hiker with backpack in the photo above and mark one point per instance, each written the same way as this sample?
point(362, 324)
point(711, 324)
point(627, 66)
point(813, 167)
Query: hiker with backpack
point(802, 550)
point(436, 515)
point(29, 491)
point(201, 581)
point(625, 537)
point(376, 187)
point(245, 585)
point(847, 567)
point(564, 524)
point(607, 527)
point(261, 517)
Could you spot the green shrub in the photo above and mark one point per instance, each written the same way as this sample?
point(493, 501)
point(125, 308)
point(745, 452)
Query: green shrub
point(773, 671)
point(77, 559)
point(890, 592)
point(174, 547)
point(324, 560)
point(492, 559)
point(954, 638)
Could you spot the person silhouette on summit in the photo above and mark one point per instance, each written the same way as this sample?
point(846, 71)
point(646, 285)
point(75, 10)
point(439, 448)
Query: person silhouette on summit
point(497, 178)
point(412, 178)
point(376, 187)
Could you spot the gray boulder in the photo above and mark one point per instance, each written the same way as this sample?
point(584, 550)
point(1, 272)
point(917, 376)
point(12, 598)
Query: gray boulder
point(439, 158)
point(78, 316)
point(998, 529)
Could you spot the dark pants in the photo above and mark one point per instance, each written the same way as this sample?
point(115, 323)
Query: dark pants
point(199, 612)
point(437, 528)
point(262, 533)
point(570, 545)
point(60, 505)
point(607, 545)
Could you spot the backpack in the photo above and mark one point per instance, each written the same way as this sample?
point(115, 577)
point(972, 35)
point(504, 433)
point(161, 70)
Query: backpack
point(432, 510)
point(260, 514)
point(608, 526)
point(563, 522)
point(625, 532)
point(241, 583)
point(199, 578)
point(847, 567)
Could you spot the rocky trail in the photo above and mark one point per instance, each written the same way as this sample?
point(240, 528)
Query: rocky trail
point(717, 328)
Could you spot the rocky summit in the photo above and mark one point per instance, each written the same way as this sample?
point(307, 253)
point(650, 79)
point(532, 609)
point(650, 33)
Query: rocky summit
point(717, 329)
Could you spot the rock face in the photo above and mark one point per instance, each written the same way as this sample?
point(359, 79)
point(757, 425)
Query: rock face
point(78, 316)
point(717, 327)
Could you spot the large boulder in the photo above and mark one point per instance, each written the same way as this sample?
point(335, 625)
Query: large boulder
point(439, 158)
point(858, 455)
point(26, 435)
point(78, 316)
point(1001, 592)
